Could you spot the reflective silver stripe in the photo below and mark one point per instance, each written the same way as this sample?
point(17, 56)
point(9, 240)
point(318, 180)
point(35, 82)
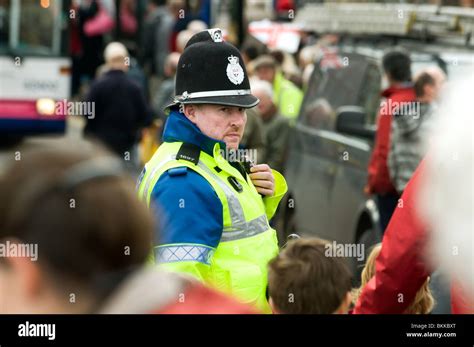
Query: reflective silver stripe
point(247, 229)
point(239, 228)
point(235, 209)
point(186, 95)
point(187, 252)
point(153, 173)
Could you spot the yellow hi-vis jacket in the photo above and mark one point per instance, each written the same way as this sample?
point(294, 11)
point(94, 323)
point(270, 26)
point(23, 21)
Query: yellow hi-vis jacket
point(287, 96)
point(238, 265)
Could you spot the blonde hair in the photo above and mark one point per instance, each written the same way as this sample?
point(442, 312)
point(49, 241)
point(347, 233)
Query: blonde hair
point(423, 302)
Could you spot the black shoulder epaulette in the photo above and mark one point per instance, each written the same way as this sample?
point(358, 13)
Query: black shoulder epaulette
point(189, 152)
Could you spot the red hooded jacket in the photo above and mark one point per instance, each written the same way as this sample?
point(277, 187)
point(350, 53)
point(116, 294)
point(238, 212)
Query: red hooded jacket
point(379, 181)
point(401, 267)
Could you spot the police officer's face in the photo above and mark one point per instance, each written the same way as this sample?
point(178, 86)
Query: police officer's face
point(224, 123)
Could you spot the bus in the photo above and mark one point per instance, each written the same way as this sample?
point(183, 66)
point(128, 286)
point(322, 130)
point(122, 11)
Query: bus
point(35, 70)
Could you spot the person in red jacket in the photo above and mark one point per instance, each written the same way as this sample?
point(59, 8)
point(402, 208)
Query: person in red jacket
point(433, 228)
point(400, 267)
point(399, 94)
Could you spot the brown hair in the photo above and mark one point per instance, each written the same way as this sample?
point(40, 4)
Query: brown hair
point(84, 217)
point(302, 279)
point(423, 302)
point(421, 81)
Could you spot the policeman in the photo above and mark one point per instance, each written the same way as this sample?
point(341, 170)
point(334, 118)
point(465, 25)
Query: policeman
point(216, 210)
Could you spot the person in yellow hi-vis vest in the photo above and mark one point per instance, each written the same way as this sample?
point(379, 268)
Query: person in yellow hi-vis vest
point(214, 205)
point(286, 95)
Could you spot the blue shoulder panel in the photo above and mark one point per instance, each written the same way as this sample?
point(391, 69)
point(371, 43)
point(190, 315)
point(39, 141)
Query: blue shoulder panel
point(187, 209)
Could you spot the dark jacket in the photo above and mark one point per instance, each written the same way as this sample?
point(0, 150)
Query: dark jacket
point(120, 111)
point(276, 130)
point(254, 138)
point(162, 98)
point(156, 39)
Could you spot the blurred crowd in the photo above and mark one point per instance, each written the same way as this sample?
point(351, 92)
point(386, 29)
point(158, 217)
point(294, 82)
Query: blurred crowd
point(277, 77)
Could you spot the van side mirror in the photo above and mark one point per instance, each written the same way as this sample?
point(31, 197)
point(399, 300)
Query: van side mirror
point(350, 120)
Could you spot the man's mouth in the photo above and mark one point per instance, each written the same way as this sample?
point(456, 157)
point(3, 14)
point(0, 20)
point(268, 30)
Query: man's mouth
point(234, 135)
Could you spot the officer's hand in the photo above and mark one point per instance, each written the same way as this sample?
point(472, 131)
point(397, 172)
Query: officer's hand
point(262, 178)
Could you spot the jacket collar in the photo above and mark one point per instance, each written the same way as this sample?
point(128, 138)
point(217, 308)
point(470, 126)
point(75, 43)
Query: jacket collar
point(114, 72)
point(179, 128)
point(401, 87)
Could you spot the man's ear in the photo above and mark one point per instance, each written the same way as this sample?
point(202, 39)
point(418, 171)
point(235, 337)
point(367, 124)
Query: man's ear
point(190, 112)
point(27, 274)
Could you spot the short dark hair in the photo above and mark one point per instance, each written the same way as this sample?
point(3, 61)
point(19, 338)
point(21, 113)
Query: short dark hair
point(302, 279)
point(250, 50)
point(80, 241)
point(397, 64)
point(423, 80)
point(278, 56)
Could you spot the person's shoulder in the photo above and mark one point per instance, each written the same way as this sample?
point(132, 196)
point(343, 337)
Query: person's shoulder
point(282, 120)
point(290, 86)
point(98, 82)
point(403, 94)
point(168, 84)
point(279, 122)
point(98, 87)
point(106, 79)
point(183, 181)
point(133, 85)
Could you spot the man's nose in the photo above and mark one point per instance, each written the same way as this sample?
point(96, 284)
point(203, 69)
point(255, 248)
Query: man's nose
point(238, 117)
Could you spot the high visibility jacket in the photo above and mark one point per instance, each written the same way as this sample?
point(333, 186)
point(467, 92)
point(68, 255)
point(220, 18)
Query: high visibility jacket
point(287, 96)
point(234, 254)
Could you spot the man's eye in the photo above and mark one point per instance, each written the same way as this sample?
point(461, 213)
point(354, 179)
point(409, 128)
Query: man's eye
point(224, 109)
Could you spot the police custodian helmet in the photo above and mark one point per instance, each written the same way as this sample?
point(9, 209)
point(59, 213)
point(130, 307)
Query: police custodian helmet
point(211, 71)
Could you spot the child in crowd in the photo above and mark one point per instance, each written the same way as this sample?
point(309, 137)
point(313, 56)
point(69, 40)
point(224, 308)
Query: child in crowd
point(305, 279)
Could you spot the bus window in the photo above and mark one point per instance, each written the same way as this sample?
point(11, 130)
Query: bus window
point(4, 22)
point(37, 37)
point(30, 27)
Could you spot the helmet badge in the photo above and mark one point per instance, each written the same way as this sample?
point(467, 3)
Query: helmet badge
point(235, 73)
point(216, 34)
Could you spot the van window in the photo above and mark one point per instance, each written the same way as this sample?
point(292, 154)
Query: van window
point(370, 92)
point(332, 87)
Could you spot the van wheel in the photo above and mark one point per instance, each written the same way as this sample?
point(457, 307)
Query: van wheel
point(286, 225)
